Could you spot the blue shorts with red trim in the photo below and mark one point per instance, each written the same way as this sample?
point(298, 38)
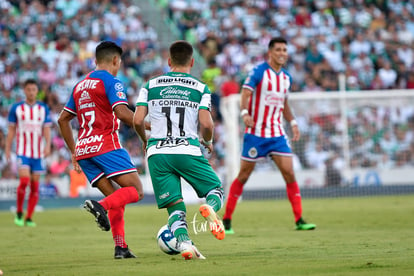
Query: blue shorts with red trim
point(255, 147)
point(109, 164)
point(35, 164)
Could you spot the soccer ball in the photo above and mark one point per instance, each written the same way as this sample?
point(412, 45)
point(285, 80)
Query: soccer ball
point(166, 241)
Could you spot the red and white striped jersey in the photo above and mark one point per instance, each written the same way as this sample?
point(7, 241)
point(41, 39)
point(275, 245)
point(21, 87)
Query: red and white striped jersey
point(92, 101)
point(270, 89)
point(29, 121)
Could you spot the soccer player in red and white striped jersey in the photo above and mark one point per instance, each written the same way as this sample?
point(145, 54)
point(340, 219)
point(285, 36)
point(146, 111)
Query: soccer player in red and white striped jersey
point(29, 122)
point(264, 105)
point(99, 102)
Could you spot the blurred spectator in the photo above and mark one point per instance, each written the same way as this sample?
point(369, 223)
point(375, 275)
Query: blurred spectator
point(387, 75)
point(46, 74)
point(311, 86)
point(3, 160)
point(47, 188)
point(352, 84)
point(209, 76)
point(359, 34)
point(410, 81)
point(54, 42)
point(7, 98)
point(230, 86)
point(317, 157)
point(9, 77)
point(333, 177)
point(189, 19)
point(60, 166)
point(78, 182)
point(362, 37)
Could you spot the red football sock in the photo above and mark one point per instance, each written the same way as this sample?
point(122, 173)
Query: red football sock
point(116, 218)
point(236, 190)
point(120, 198)
point(21, 192)
point(293, 194)
point(33, 198)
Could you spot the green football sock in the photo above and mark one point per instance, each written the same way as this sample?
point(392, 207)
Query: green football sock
point(214, 201)
point(177, 221)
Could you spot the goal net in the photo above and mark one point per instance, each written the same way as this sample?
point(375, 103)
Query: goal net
point(355, 143)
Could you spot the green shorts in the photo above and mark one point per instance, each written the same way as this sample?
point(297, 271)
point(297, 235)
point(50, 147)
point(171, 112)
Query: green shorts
point(166, 171)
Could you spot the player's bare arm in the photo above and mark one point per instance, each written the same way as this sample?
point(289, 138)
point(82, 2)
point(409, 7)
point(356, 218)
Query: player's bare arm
point(288, 115)
point(140, 124)
point(124, 114)
point(206, 128)
point(48, 139)
point(67, 134)
point(244, 106)
point(9, 141)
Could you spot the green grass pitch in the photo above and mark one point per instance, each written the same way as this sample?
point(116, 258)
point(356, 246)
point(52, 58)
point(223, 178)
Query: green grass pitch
point(354, 236)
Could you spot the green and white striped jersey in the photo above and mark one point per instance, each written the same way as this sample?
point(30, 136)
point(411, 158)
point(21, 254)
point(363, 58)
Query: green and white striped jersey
point(173, 102)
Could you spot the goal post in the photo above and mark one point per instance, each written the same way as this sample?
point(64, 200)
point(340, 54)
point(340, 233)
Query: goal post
point(230, 110)
point(344, 133)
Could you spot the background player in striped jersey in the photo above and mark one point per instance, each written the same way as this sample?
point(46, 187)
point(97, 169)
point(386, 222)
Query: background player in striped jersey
point(30, 123)
point(98, 101)
point(264, 105)
point(177, 104)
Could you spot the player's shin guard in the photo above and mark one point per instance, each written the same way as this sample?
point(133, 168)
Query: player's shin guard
point(120, 198)
point(33, 198)
point(215, 198)
point(293, 193)
point(21, 192)
point(177, 221)
point(236, 190)
point(116, 219)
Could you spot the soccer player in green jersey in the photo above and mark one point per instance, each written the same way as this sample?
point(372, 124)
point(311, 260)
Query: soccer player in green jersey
point(178, 105)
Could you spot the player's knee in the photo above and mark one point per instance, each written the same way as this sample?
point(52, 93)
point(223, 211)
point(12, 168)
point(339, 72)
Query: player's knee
point(243, 177)
point(140, 192)
point(140, 195)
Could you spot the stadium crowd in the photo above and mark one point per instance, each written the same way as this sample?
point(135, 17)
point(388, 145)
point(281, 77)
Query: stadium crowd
point(369, 41)
point(54, 42)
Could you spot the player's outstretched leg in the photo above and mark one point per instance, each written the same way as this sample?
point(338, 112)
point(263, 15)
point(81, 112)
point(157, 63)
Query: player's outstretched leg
point(96, 209)
point(301, 224)
point(214, 200)
point(123, 253)
point(178, 225)
point(215, 223)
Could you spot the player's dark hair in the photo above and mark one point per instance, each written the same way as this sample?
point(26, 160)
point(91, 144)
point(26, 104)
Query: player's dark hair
point(181, 52)
point(29, 81)
point(276, 40)
point(106, 50)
